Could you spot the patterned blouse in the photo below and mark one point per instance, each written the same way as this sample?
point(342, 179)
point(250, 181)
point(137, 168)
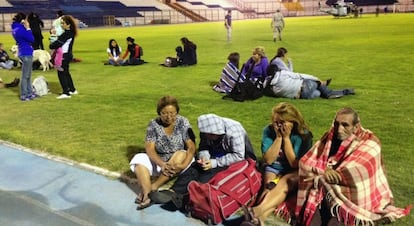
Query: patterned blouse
point(167, 145)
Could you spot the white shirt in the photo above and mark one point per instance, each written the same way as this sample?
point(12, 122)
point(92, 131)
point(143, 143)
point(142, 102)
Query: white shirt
point(116, 57)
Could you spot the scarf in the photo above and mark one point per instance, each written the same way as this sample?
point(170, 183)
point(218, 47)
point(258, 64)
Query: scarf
point(363, 196)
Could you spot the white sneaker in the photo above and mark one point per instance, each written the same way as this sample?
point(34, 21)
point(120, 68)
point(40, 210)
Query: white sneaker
point(73, 93)
point(63, 96)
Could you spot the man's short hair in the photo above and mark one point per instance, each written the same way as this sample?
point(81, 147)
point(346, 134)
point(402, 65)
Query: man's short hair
point(348, 110)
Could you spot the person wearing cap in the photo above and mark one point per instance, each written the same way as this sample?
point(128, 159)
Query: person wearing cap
point(226, 142)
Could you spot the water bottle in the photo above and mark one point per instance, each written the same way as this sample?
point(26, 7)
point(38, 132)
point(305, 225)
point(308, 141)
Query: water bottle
point(204, 155)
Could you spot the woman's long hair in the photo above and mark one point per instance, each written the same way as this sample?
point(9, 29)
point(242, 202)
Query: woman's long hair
point(288, 112)
point(112, 48)
point(187, 43)
point(19, 17)
point(73, 26)
point(281, 52)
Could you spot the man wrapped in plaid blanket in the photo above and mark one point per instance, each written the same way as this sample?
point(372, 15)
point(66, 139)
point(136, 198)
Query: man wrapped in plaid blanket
point(343, 173)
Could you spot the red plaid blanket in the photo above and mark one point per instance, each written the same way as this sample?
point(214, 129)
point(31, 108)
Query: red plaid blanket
point(362, 197)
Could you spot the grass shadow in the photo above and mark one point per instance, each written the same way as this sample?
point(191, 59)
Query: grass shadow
point(128, 177)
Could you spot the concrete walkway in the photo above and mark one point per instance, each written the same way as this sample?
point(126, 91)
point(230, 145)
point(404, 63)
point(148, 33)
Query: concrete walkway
point(37, 189)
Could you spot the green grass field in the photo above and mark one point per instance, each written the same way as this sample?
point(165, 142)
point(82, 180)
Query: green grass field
point(105, 124)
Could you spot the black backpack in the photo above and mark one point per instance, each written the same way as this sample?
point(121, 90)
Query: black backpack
point(246, 90)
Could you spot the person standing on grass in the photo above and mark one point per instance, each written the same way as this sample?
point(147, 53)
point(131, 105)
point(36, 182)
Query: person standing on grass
point(66, 41)
point(23, 36)
point(36, 24)
point(277, 24)
point(227, 25)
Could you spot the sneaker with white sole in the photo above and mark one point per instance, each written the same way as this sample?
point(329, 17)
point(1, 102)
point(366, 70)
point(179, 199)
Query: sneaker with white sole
point(63, 96)
point(25, 98)
point(73, 93)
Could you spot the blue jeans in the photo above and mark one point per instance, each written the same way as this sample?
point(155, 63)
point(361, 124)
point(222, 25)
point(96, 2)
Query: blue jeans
point(312, 89)
point(309, 89)
point(26, 80)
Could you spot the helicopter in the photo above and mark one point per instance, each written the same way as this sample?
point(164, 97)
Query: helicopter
point(339, 9)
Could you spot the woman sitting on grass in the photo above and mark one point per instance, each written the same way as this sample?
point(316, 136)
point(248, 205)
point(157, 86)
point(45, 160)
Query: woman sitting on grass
point(229, 74)
point(114, 53)
point(284, 142)
point(135, 53)
point(187, 55)
point(256, 66)
point(169, 150)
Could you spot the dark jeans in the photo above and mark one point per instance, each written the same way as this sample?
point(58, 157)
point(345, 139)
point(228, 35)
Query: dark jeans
point(65, 78)
point(133, 61)
point(326, 92)
point(323, 217)
point(194, 172)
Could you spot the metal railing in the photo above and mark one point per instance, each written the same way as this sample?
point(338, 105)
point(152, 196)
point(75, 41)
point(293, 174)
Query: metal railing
point(262, 9)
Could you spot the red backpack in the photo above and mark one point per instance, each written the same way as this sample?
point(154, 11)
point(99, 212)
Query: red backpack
point(225, 193)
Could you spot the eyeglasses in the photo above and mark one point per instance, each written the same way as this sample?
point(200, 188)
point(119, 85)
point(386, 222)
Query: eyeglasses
point(164, 114)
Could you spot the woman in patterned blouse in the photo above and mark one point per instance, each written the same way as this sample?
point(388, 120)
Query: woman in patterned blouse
point(169, 149)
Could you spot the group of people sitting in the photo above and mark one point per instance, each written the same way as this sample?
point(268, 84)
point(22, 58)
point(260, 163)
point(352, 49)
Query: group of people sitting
point(116, 58)
point(185, 55)
point(340, 179)
point(277, 77)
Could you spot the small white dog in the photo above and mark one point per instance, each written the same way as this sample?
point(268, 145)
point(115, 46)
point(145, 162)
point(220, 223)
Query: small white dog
point(40, 55)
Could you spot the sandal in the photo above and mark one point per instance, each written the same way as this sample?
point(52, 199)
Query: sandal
point(161, 197)
point(139, 198)
point(144, 204)
point(249, 217)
